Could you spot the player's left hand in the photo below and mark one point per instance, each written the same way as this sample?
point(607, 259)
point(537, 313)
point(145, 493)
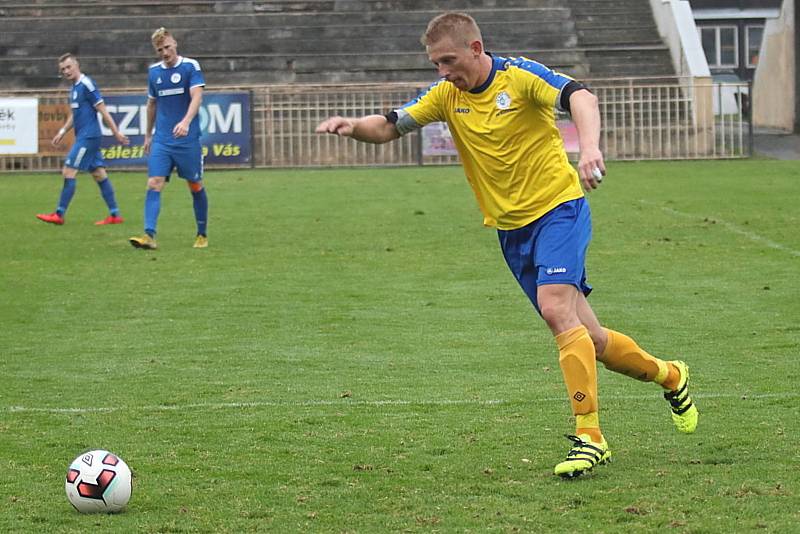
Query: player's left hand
point(336, 125)
point(181, 129)
point(591, 169)
point(123, 139)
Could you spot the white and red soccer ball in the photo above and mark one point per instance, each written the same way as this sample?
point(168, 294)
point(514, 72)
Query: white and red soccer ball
point(98, 481)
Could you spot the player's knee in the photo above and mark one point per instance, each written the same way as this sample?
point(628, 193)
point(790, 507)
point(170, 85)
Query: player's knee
point(195, 187)
point(155, 183)
point(556, 313)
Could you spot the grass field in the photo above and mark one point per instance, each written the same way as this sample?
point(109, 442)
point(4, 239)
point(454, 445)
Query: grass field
point(351, 354)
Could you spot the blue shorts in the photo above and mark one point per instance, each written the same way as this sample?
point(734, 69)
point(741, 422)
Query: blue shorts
point(551, 249)
point(85, 155)
point(188, 159)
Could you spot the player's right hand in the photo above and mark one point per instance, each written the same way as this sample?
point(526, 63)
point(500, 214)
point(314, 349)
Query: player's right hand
point(122, 138)
point(337, 126)
point(147, 142)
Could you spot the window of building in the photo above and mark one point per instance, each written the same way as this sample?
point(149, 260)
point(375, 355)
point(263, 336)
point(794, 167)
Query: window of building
point(753, 37)
point(721, 45)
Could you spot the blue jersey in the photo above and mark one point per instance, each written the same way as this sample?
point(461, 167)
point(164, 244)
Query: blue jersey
point(171, 87)
point(83, 97)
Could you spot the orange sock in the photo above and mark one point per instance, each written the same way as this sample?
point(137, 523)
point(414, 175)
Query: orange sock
point(577, 360)
point(623, 355)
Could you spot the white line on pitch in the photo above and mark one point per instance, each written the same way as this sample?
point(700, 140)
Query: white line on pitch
point(730, 226)
point(343, 403)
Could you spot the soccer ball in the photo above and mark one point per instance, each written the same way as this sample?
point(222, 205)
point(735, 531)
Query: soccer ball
point(98, 481)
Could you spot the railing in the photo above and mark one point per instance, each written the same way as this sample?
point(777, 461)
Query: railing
point(688, 120)
point(641, 119)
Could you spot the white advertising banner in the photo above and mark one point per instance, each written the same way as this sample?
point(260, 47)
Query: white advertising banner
point(19, 125)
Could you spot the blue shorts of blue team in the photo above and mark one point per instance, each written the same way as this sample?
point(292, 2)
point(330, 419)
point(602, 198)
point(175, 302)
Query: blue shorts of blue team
point(551, 249)
point(85, 155)
point(187, 159)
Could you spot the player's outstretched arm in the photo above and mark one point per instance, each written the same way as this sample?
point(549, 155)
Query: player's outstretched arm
point(370, 129)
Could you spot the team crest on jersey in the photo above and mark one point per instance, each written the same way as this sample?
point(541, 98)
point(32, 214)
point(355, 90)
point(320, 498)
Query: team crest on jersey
point(74, 95)
point(503, 101)
point(175, 78)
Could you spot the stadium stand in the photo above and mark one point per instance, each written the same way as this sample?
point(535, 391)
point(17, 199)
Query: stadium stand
point(337, 41)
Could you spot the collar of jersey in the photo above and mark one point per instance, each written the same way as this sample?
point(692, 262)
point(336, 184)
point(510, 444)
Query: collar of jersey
point(79, 80)
point(164, 65)
point(485, 85)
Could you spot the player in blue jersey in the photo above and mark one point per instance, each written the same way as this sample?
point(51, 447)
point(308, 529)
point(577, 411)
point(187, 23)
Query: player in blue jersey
point(175, 92)
point(86, 102)
point(500, 111)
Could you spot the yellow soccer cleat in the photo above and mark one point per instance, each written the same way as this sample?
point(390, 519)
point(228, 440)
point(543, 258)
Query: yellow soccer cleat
point(584, 455)
point(145, 242)
point(200, 241)
point(684, 412)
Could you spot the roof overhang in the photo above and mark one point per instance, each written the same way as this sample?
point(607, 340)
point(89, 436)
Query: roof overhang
point(736, 13)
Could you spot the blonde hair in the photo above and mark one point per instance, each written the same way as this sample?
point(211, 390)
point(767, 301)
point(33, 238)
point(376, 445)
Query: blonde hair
point(458, 26)
point(69, 55)
point(159, 35)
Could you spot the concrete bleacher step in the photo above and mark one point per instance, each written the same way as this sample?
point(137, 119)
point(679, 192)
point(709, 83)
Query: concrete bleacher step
point(287, 41)
point(184, 23)
point(266, 41)
point(394, 5)
point(519, 23)
point(628, 61)
point(620, 38)
point(86, 9)
point(61, 8)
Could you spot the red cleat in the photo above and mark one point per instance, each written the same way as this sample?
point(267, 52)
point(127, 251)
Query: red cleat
point(111, 219)
point(52, 218)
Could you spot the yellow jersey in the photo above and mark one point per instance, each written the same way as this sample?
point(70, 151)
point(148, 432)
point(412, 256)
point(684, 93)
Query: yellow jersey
point(506, 136)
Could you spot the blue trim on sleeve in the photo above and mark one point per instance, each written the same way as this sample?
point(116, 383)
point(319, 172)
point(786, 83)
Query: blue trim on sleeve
point(421, 94)
point(551, 77)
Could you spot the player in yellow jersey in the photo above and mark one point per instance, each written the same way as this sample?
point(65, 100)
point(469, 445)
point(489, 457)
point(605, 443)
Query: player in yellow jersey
point(501, 114)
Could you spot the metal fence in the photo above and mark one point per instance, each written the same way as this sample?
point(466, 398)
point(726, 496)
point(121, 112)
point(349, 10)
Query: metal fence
point(689, 119)
point(642, 120)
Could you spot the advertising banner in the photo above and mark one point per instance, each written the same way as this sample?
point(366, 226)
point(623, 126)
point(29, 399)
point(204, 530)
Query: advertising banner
point(51, 118)
point(224, 122)
point(437, 141)
point(19, 133)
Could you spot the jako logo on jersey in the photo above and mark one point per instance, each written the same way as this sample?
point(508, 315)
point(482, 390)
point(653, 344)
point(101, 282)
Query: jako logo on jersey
point(74, 95)
point(503, 101)
point(462, 110)
point(158, 80)
point(175, 78)
point(556, 270)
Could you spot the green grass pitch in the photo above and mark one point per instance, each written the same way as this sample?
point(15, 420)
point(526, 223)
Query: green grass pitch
point(351, 354)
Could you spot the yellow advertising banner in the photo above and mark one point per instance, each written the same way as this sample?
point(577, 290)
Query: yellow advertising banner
point(51, 118)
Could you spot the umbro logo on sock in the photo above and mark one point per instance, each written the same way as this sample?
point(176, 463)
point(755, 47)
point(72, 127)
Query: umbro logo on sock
point(579, 396)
